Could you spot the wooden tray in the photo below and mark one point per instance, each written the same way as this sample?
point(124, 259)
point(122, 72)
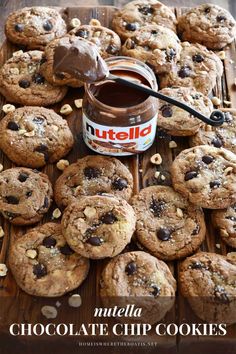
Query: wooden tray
point(16, 306)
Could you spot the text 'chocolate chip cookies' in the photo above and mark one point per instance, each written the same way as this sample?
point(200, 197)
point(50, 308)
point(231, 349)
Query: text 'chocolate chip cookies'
point(98, 226)
point(44, 265)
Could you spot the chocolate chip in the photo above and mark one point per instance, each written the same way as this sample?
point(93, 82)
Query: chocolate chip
point(170, 54)
point(94, 241)
point(28, 194)
point(215, 184)
point(196, 265)
point(13, 126)
point(108, 218)
point(23, 177)
point(11, 199)
point(24, 83)
point(156, 290)
point(232, 218)
point(220, 18)
point(185, 71)
point(131, 268)
point(49, 242)
point(217, 142)
point(66, 250)
point(198, 58)
point(112, 49)
point(91, 172)
point(166, 111)
point(164, 234)
point(45, 203)
point(221, 294)
point(39, 270)
point(131, 27)
point(43, 149)
point(38, 79)
point(146, 10)
point(19, 27)
point(154, 32)
point(119, 184)
point(207, 159)
point(59, 75)
point(207, 10)
point(157, 207)
point(47, 25)
point(196, 230)
point(190, 175)
point(38, 120)
point(82, 33)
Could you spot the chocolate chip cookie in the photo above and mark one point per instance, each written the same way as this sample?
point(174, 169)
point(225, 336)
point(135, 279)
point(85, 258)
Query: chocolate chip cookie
point(225, 221)
point(168, 226)
point(34, 27)
point(158, 46)
point(34, 136)
point(98, 226)
point(175, 120)
point(47, 68)
point(43, 264)
point(92, 175)
point(107, 41)
point(207, 24)
point(198, 67)
point(22, 82)
point(137, 14)
point(223, 136)
point(207, 280)
point(141, 279)
point(206, 175)
point(25, 195)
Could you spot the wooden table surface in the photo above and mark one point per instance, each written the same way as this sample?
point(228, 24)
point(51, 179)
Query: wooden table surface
point(7, 6)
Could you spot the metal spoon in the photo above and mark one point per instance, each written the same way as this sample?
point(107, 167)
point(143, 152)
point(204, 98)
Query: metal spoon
point(216, 118)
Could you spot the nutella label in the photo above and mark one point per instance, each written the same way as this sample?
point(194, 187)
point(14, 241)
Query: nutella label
point(119, 141)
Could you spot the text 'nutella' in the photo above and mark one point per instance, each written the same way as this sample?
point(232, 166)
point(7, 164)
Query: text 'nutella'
point(120, 120)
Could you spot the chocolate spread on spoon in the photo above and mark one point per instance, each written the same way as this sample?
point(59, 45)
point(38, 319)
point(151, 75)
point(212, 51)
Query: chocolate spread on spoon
point(80, 59)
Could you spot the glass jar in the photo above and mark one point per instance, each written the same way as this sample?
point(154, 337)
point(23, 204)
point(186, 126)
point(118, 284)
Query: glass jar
point(118, 120)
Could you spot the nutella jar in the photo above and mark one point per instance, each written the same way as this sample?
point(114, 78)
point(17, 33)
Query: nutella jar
point(119, 120)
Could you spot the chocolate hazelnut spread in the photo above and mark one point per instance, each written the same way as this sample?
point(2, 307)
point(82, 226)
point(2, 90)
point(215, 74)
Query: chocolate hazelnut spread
point(80, 59)
point(119, 120)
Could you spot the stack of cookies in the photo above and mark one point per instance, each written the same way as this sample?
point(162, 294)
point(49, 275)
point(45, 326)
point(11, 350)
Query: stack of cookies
point(94, 195)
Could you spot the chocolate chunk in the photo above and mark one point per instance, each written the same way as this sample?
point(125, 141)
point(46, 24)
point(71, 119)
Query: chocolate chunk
point(146, 10)
point(19, 27)
point(45, 203)
point(196, 265)
point(38, 79)
point(215, 184)
point(38, 120)
point(170, 54)
point(221, 294)
point(47, 25)
point(49, 242)
point(207, 159)
point(66, 250)
point(11, 199)
point(207, 10)
point(111, 49)
point(82, 33)
point(185, 71)
point(39, 270)
point(108, 218)
point(156, 290)
point(157, 207)
point(217, 142)
point(190, 175)
point(131, 27)
point(119, 184)
point(94, 241)
point(43, 149)
point(166, 111)
point(220, 18)
point(24, 83)
point(131, 268)
point(232, 218)
point(28, 194)
point(13, 126)
point(164, 234)
point(154, 32)
point(23, 177)
point(92, 172)
point(198, 58)
point(196, 230)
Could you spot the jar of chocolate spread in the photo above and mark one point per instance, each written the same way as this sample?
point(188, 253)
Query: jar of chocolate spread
point(119, 120)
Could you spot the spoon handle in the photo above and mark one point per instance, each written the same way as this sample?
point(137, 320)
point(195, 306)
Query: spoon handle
point(216, 118)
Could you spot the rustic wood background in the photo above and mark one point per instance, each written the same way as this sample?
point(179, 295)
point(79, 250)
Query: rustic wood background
point(17, 306)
